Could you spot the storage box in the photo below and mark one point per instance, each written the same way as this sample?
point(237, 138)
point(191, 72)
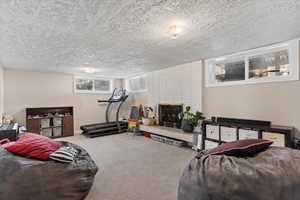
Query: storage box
point(277, 138)
point(57, 121)
point(212, 132)
point(247, 134)
point(228, 134)
point(45, 123)
point(46, 132)
point(57, 132)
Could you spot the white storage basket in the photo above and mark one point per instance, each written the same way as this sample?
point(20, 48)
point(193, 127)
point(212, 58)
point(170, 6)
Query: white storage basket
point(46, 132)
point(57, 132)
point(45, 123)
point(57, 121)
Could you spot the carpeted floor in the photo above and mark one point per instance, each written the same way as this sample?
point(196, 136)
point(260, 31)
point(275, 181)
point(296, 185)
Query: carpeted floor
point(134, 167)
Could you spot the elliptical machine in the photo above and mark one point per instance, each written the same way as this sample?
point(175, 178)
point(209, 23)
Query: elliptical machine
point(107, 128)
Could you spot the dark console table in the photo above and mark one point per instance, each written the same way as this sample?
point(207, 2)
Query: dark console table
point(218, 132)
point(8, 131)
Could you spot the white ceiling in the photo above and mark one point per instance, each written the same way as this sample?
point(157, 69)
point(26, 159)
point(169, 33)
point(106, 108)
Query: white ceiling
point(127, 37)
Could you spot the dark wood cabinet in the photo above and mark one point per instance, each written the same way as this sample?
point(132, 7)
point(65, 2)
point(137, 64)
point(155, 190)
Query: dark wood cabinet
point(68, 126)
point(34, 125)
point(52, 122)
point(216, 133)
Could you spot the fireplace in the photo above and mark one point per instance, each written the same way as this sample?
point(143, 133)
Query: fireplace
point(168, 115)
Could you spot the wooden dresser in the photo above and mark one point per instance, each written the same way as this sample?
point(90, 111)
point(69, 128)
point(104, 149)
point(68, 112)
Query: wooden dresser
point(216, 133)
point(53, 122)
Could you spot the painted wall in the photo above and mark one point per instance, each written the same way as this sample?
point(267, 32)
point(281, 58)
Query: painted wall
point(278, 102)
point(1, 93)
point(25, 89)
point(180, 84)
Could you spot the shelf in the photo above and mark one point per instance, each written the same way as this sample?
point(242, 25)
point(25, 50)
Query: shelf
point(213, 140)
point(54, 137)
point(48, 117)
point(51, 127)
point(38, 115)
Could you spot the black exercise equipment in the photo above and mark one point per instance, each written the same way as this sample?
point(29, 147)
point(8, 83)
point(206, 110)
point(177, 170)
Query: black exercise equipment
point(108, 128)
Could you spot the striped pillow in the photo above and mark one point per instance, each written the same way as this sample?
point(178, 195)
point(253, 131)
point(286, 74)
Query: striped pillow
point(64, 154)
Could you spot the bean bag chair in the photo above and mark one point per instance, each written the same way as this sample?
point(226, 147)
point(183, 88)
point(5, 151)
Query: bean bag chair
point(30, 179)
point(273, 174)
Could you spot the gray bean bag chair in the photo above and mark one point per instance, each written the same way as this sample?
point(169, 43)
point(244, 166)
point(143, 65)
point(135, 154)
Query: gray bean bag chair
point(29, 179)
point(270, 175)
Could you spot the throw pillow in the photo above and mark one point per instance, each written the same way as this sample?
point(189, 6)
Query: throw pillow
point(31, 145)
point(64, 154)
point(241, 147)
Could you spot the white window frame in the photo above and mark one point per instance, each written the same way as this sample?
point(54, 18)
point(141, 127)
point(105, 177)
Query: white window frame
point(127, 85)
point(93, 91)
point(292, 47)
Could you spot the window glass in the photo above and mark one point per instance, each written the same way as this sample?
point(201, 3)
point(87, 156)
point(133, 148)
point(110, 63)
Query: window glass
point(137, 84)
point(270, 64)
point(90, 85)
point(230, 71)
point(84, 84)
point(102, 85)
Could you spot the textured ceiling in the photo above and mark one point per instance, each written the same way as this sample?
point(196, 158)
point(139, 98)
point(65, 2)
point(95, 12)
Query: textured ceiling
point(127, 37)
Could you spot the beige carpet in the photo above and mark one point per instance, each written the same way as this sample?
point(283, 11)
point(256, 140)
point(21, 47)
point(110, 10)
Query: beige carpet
point(134, 167)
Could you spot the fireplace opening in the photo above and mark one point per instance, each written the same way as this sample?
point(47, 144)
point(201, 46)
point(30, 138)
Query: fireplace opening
point(169, 115)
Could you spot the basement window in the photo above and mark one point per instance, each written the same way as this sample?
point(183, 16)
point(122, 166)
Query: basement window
point(136, 84)
point(268, 64)
point(92, 85)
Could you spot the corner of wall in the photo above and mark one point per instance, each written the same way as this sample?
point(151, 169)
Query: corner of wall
point(1, 92)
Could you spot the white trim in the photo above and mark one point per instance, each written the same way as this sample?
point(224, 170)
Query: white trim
point(136, 77)
point(292, 47)
point(93, 91)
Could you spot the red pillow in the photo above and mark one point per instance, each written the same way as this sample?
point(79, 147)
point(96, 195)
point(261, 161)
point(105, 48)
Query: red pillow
point(31, 145)
point(241, 147)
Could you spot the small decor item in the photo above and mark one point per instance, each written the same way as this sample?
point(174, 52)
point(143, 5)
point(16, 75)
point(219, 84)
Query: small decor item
point(31, 145)
point(132, 125)
point(240, 148)
point(64, 154)
point(147, 120)
point(7, 119)
point(213, 119)
point(141, 111)
point(190, 120)
point(134, 113)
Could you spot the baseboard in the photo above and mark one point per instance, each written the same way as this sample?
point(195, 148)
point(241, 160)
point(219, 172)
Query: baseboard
point(77, 132)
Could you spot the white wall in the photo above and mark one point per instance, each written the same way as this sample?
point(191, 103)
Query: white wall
point(1, 93)
point(277, 102)
point(26, 89)
point(180, 84)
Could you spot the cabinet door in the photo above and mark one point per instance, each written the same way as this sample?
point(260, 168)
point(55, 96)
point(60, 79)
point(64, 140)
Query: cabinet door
point(33, 125)
point(228, 134)
point(68, 128)
point(247, 134)
point(212, 132)
point(277, 138)
point(210, 144)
